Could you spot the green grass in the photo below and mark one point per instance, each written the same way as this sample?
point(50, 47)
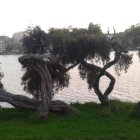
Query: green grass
point(88, 124)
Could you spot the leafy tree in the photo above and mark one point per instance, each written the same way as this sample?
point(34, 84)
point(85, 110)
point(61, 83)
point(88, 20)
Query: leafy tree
point(82, 47)
point(78, 44)
point(1, 85)
point(44, 73)
point(86, 47)
point(131, 36)
point(35, 41)
point(1, 76)
point(94, 29)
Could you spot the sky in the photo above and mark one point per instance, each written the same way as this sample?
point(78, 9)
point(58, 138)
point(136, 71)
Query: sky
point(17, 15)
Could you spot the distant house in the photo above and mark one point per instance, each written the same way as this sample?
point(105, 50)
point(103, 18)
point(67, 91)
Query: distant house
point(5, 43)
point(17, 37)
point(17, 41)
point(12, 45)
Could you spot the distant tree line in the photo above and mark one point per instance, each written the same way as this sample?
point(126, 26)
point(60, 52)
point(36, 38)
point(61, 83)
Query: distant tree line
point(131, 36)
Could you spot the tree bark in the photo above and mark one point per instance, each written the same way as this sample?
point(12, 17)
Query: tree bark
point(23, 102)
point(38, 63)
point(44, 104)
point(103, 97)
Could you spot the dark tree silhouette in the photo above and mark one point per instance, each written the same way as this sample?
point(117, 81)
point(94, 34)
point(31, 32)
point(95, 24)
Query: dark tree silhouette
point(131, 36)
point(93, 73)
point(80, 47)
point(43, 73)
point(40, 68)
point(34, 41)
point(49, 56)
point(1, 75)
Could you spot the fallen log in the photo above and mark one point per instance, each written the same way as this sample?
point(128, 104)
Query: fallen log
point(24, 102)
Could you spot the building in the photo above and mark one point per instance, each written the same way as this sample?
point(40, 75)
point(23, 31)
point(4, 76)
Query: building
point(17, 41)
point(5, 43)
point(17, 37)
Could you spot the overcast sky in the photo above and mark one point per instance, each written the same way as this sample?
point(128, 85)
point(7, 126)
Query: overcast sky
point(16, 15)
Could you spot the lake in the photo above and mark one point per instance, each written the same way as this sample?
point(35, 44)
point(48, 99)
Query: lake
point(127, 87)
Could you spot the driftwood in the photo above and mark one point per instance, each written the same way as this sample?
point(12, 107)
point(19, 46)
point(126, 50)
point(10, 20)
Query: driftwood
point(23, 102)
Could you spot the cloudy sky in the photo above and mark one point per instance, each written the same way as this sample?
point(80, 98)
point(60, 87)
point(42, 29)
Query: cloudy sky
point(16, 15)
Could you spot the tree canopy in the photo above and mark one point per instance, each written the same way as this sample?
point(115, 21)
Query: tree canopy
point(69, 47)
point(34, 41)
point(50, 56)
point(72, 46)
point(75, 46)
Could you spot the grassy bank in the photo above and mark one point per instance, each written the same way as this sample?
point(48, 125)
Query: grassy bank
point(89, 124)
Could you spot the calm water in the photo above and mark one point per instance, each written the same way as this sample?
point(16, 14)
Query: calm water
point(126, 89)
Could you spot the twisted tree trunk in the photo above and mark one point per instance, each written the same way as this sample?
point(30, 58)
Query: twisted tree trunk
point(38, 63)
point(45, 103)
point(23, 102)
point(18, 101)
point(103, 97)
point(117, 46)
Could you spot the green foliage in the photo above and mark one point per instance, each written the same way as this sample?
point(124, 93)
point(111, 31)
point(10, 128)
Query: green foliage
point(72, 46)
point(132, 36)
point(58, 40)
point(1, 76)
point(69, 47)
point(32, 82)
point(60, 79)
point(34, 41)
point(123, 63)
point(87, 75)
point(37, 41)
point(94, 28)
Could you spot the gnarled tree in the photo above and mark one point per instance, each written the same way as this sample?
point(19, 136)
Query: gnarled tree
point(42, 74)
point(50, 56)
point(94, 73)
point(86, 47)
